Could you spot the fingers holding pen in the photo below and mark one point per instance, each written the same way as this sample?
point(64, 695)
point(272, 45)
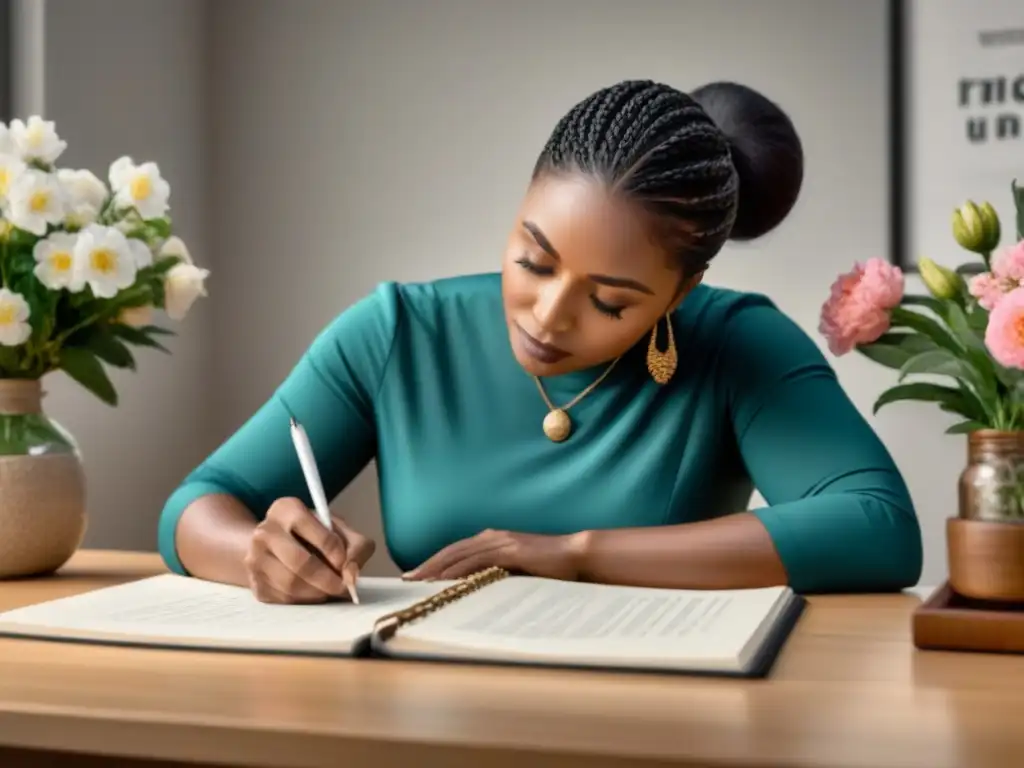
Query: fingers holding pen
point(293, 558)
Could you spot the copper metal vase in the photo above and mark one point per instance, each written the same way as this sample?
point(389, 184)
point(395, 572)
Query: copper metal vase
point(985, 542)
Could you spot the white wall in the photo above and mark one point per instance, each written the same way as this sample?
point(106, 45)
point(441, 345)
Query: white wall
point(123, 77)
point(351, 139)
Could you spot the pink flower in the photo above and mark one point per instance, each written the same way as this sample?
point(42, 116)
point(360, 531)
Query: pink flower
point(1004, 335)
point(1009, 265)
point(857, 311)
point(1007, 274)
point(987, 289)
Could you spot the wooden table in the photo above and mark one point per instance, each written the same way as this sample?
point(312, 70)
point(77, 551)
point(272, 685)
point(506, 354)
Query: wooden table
point(848, 690)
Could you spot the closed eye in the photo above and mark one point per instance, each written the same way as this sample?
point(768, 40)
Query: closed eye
point(607, 309)
point(610, 310)
point(536, 269)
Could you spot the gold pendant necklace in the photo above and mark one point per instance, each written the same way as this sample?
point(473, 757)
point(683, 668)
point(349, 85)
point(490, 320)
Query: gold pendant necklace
point(557, 424)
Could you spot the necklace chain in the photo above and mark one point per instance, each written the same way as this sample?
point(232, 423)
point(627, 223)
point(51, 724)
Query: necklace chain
point(590, 388)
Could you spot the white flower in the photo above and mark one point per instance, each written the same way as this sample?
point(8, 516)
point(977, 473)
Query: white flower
point(55, 262)
point(104, 260)
point(183, 284)
point(14, 313)
point(175, 246)
point(140, 187)
point(35, 200)
point(36, 139)
point(141, 253)
point(85, 195)
point(136, 316)
point(10, 169)
point(6, 146)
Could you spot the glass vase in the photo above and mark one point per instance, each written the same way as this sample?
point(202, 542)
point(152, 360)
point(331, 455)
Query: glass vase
point(992, 484)
point(42, 485)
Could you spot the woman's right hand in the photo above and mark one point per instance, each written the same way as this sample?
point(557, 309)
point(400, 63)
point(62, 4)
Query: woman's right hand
point(292, 558)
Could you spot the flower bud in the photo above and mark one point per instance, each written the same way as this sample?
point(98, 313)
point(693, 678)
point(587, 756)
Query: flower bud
point(136, 316)
point(976, 228)
point(990, 221)
point(941, 282)
point(1018, 201)
point(175, 246)
point(183, 284)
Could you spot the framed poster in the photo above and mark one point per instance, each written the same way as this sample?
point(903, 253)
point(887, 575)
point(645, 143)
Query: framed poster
point(957, 107)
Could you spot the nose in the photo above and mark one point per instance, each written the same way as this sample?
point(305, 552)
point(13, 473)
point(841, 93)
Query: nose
point(552, 309)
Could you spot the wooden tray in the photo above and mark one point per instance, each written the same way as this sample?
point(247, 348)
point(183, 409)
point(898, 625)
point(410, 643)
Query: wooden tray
point(947, 621)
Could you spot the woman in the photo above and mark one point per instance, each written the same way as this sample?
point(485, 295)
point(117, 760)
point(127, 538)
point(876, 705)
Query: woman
point(594, 411)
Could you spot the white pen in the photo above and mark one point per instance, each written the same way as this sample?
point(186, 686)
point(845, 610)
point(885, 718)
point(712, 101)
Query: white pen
point(315, 485)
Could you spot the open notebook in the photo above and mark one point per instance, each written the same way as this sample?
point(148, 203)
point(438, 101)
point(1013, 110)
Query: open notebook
point(490, 617)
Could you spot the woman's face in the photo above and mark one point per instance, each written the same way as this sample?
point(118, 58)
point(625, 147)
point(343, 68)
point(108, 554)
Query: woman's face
point(582, 281)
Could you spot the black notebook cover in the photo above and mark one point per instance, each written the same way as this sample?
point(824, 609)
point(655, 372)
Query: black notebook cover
point(761, 664)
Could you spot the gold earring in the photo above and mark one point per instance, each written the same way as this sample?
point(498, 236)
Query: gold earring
point(662, 365)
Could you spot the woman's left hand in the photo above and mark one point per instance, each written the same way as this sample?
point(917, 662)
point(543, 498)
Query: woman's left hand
point(554, 557)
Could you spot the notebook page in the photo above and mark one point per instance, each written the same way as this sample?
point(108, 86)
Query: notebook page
point(171, 607)
point(564, 619)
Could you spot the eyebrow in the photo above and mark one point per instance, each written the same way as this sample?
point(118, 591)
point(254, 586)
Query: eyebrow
point(541, 239)
point(609, 280)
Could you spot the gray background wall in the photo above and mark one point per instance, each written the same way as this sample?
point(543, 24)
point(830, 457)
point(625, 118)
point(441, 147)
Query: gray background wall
point(345, 140)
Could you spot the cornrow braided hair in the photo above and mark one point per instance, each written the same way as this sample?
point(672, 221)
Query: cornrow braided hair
point(664, 149)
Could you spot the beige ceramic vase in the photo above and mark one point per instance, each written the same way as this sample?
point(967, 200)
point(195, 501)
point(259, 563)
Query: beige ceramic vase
point(42, 485)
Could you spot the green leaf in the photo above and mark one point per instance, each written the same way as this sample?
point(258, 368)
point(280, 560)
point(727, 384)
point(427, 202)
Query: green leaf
point(935, 305)
point(99, 340)
point(136, 336)
point(21, 238)
point(962, 329)
point(953, 400)
point(19, 270)
point(156, 330)
point(937, 362)
point(892, 350)
point(83, 366)
point(42, 304)
point(111, 350)
point(980, 366)
point(9, 360)
point(159, 294)
point(888, 355)
point(913, 343)
point(977, 318)
point(971, 268)
point(160, 227)
point(20, 262)
point(964, 427)
point(1011, 378)
point(150, 230)
point(901, 317)
point(163, 265)
point(942, 362)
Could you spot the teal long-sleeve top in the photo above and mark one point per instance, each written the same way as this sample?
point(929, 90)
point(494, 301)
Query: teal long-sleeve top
point(422, 379)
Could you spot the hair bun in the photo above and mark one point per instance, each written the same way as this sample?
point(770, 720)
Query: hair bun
point(766, 152)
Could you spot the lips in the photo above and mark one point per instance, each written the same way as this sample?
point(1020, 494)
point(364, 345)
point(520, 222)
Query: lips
point(538, 350)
